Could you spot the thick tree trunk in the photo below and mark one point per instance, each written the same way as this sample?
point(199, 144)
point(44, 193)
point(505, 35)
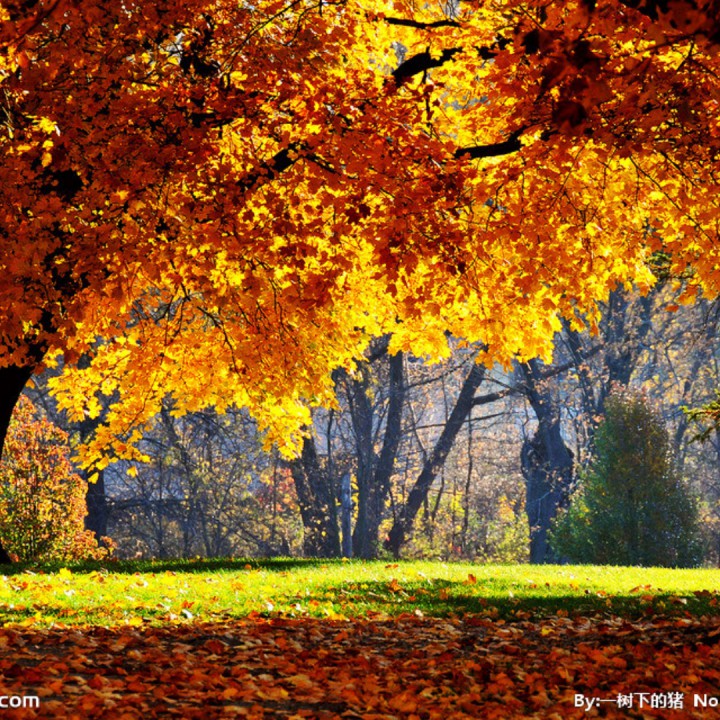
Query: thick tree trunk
point(375, 471)
point(435, 461)
point(318, 507)
point(12, 381)
point(547, 465)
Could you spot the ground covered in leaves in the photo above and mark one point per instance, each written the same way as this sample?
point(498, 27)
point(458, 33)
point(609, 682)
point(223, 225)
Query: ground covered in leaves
point(301, 639)
point(405, 667)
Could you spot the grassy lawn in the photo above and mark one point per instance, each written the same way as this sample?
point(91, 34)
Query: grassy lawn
point(155, 593)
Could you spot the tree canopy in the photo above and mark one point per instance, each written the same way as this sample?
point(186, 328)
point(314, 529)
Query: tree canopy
point(221, 202)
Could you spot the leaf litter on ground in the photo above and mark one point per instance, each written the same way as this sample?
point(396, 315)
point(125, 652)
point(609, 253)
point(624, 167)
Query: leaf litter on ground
point(404, 667)
point(366, 643)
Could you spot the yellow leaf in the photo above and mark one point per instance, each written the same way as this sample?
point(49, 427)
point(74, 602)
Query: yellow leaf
point(46, 125)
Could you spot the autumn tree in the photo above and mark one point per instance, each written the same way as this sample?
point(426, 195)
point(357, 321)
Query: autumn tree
point(599, 362)
point(222, 203)
point(464, 449)
point(358, 441)
point(397, 422)
point(42, 498)
point(406, 513)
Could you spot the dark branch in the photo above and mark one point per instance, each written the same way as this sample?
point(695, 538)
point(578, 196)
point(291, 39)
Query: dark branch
point(494, 397)
point(420, 63)
point(488, 53)
point(281, 161)
point(511, 145)
point(650, 8)
point(421, 25)
point(424, 61)
point(545, 373)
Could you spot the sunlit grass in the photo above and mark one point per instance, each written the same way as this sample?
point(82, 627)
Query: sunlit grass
point(185, 591)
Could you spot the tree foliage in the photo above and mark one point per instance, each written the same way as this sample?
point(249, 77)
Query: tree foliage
point(224, 202)
point(42, 499)
point(631, 508)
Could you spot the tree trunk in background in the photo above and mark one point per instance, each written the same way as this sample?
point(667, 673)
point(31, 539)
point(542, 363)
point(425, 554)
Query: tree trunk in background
point(97, 517)
point(625, 327)
point(547, 465)
point(346, 508)
point(435, 461)
point(318, 507)
point(375, 471)
point(12, 381)
point(385, 465)
point(361, 413)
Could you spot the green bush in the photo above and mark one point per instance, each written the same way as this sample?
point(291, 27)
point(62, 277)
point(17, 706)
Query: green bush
point(631, 506)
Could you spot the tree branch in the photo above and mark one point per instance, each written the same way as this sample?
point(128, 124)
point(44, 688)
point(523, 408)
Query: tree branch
point(506, 147)
point(281, 161)
point(421, 62)
point(424, 61)
point(421, 25)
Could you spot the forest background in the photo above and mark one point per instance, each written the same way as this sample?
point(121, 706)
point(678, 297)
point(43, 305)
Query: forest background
point(493, 456)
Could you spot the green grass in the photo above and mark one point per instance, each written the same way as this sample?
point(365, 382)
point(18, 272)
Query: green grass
point(213, 590)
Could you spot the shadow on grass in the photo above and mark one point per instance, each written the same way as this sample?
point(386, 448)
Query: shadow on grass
point(443, 598)
point(199, 565)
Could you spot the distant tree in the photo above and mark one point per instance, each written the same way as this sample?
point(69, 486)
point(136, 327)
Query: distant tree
point(42, 499)
point(318, 507)
point(631, 506)
point(547, 462)
point(206, 489)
